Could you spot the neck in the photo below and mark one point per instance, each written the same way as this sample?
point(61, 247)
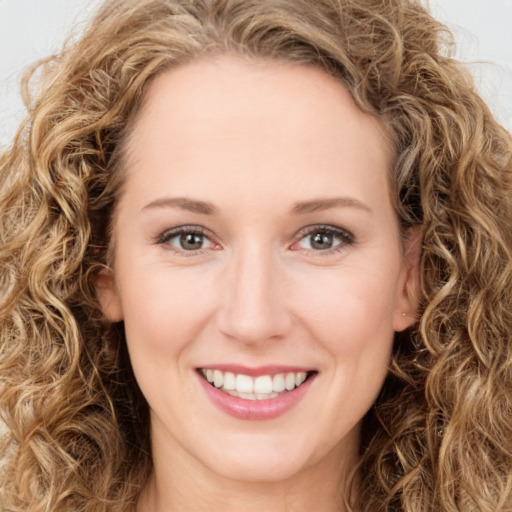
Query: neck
point(198, 496)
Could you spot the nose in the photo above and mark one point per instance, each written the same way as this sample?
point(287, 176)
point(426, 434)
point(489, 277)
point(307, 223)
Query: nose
point(253, 308)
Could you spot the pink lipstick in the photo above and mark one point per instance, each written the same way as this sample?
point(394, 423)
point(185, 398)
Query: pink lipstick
point(255, 393)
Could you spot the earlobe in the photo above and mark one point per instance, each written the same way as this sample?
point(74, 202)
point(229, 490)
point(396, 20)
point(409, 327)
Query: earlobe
point(108, 295)
point(407, 303)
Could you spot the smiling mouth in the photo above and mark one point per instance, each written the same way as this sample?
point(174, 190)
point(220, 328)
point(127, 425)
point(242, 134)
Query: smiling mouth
point(262, 387)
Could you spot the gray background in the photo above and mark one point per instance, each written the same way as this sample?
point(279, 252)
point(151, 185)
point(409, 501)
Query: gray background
point(31, 29)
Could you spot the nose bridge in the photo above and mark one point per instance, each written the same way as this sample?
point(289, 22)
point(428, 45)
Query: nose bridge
point(253, 309)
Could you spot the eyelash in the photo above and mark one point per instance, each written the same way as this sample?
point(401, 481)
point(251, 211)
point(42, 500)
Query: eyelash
point(345, 236)
point(170, 234)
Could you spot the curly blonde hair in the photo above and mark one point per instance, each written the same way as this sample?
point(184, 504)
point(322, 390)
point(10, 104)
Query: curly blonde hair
point(439, 436)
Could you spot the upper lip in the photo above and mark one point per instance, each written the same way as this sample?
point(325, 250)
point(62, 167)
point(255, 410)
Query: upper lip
point(258, 370)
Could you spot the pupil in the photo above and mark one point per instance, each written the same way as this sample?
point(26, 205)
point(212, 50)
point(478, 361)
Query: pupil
point(321, 241)
point(191, 241)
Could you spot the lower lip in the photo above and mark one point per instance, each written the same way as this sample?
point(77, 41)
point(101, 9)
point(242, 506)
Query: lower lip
point(256, 409)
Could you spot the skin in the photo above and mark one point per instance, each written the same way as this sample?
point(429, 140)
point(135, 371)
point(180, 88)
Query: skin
point(253, 139)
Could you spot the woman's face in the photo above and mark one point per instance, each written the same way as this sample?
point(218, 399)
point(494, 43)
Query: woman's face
point(256, 246)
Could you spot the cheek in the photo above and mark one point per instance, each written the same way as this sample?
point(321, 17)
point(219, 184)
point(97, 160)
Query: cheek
point(164, 311)
point(351, 318)
point(352, 313)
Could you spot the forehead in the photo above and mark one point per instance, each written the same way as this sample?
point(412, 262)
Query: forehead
point(252, 119)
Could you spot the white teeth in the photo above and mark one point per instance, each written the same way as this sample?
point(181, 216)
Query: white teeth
point(278, 383)
point(244, 384)
point(262, 387)
point(253, 396)
point(218, 378)
point(229, 382)
point(248, 396)
point(290, 381)
point(300, 378)
point(263, 384)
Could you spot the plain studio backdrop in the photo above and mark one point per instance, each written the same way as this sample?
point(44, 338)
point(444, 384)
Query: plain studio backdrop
point(32, 29)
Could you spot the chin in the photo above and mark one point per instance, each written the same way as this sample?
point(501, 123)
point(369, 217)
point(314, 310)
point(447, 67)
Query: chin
point(271, 459)
point(258, 469)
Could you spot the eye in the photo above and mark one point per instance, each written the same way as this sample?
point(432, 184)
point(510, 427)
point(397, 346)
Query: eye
point(324, 239)
point(186, 238)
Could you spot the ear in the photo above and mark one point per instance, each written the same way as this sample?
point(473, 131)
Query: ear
point(405, 314)
point(108, 295)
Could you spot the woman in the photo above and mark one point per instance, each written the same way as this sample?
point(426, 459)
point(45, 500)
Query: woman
point(257, 254)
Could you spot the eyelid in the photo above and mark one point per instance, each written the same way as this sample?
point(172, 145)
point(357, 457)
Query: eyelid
point(346, 236)
point(169, 234)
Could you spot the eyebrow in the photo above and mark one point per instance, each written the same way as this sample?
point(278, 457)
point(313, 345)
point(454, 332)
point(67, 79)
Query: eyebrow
point(206, 208)
point(318, 205)
point(183, 203)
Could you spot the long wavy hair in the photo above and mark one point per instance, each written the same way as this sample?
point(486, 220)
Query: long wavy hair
point(439, 437)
